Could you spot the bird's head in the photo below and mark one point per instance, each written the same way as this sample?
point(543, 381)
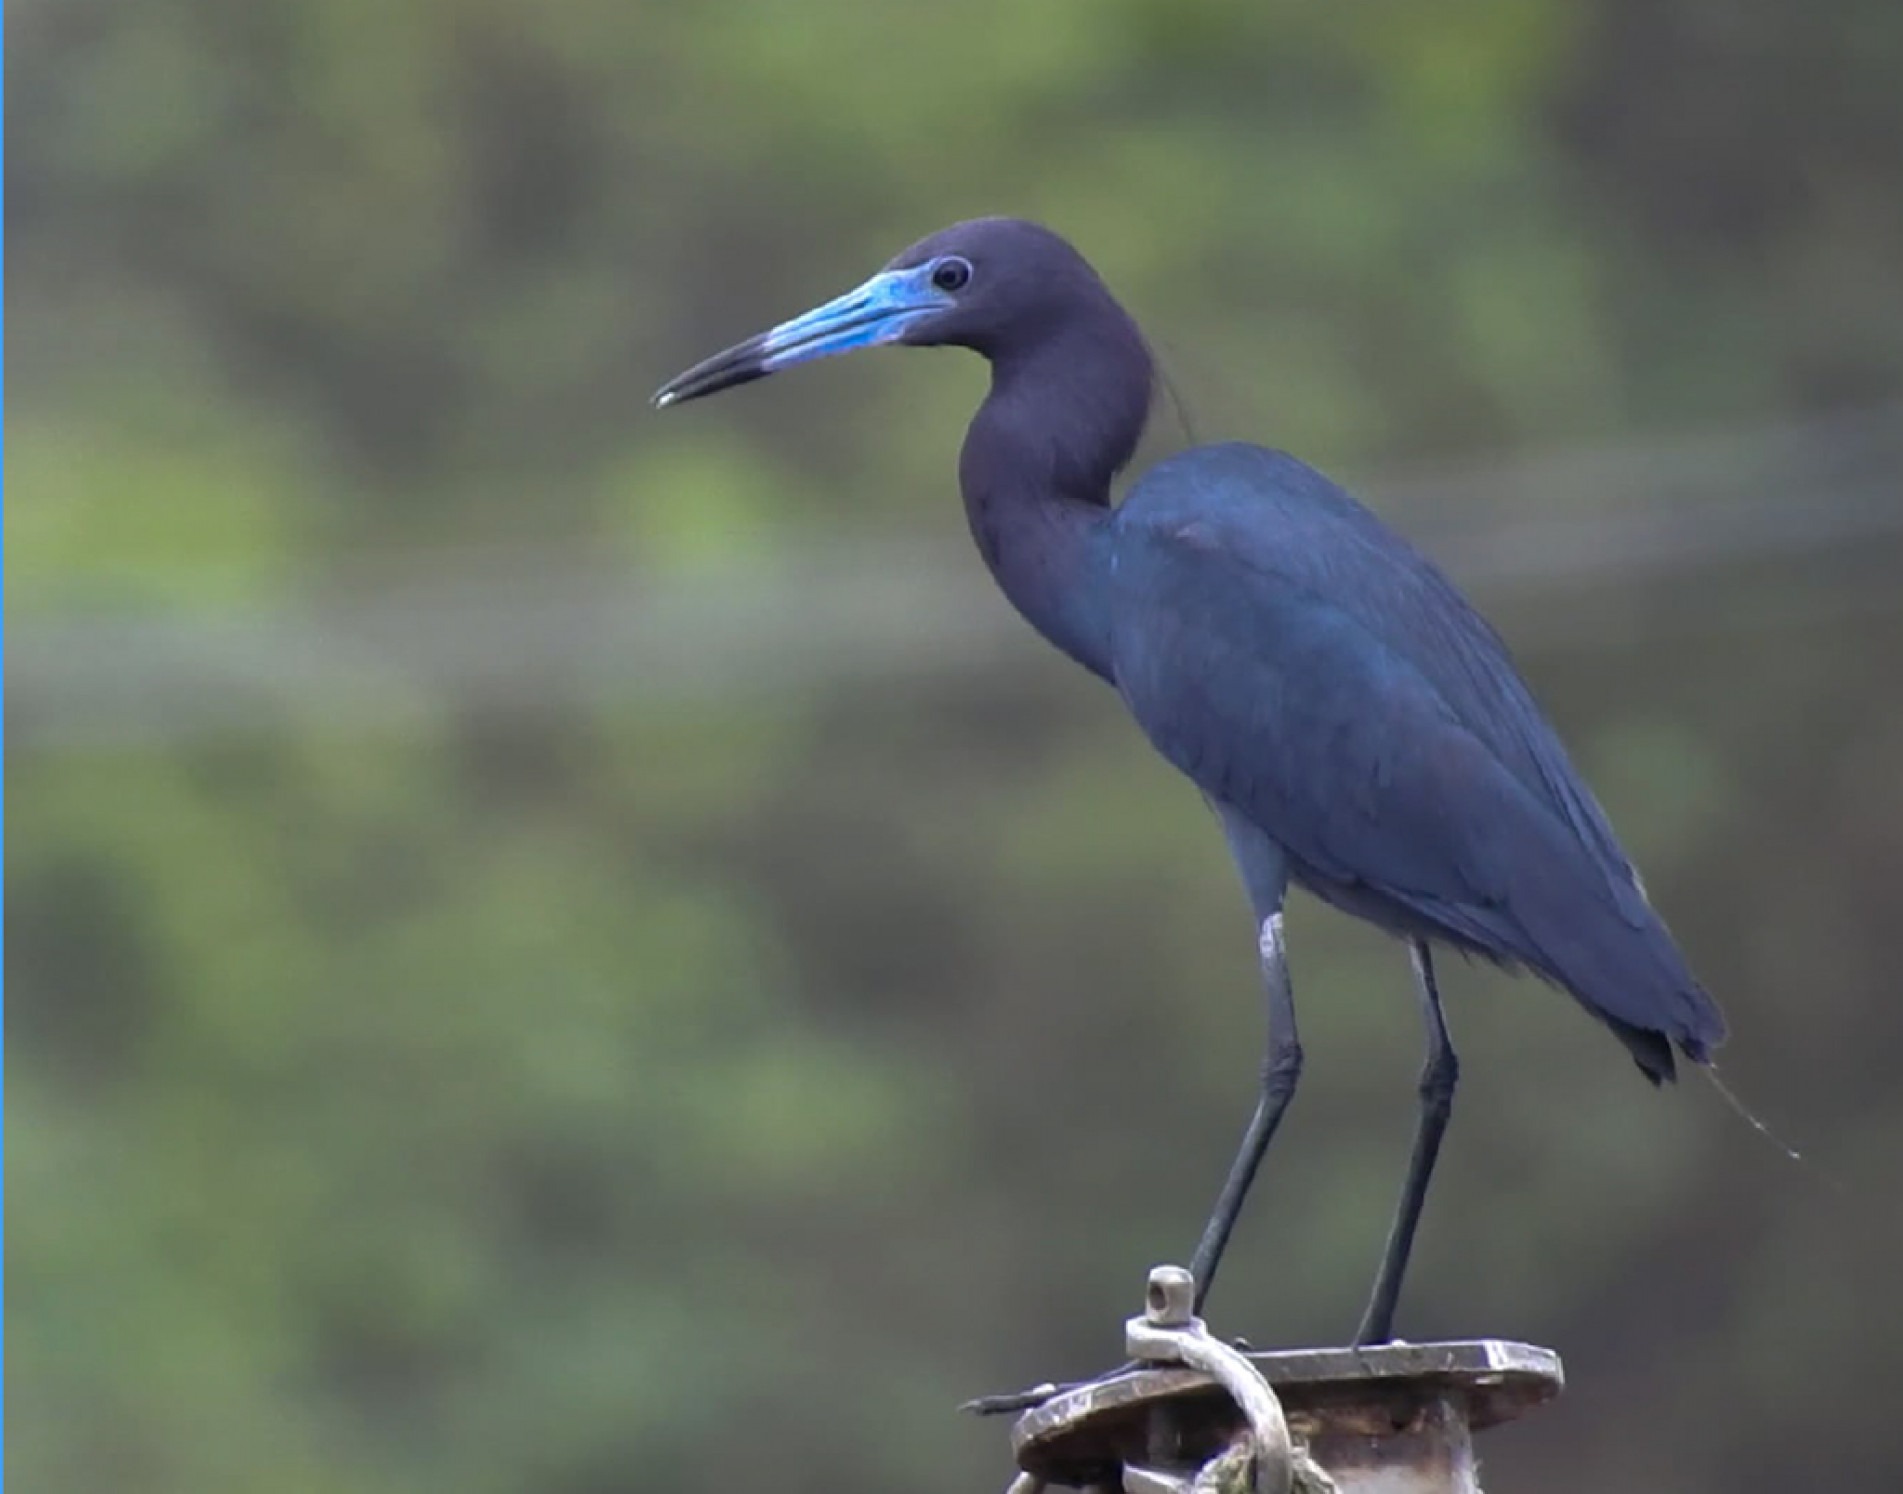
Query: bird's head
point(991, 284)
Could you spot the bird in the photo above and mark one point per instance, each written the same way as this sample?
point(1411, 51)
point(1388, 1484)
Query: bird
point(1359, 730)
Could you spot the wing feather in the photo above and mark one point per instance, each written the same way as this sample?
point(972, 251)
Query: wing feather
point(1295, 667)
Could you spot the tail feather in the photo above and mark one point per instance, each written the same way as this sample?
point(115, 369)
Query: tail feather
point(1588, 929)
point(1651, 1051)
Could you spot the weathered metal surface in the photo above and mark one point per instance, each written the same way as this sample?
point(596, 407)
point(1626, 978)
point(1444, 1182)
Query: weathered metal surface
point(1169, 1332)
point(1431, 1454)
point(1397, 1419)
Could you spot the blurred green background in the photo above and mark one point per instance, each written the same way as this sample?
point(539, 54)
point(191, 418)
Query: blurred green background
point(553, 948)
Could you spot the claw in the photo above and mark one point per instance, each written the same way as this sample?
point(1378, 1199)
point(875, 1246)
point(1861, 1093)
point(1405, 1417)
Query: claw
point(1018, 1400)
point(1037, 1395)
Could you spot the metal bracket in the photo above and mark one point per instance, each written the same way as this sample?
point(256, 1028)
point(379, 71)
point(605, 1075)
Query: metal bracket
point(1170, 1333)
point(1257, 1454)
point(1195, 1416)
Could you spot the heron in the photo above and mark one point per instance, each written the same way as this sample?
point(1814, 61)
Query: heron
point(1359, 730)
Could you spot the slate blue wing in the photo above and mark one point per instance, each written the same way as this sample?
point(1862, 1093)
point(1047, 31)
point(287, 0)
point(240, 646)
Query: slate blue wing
point(1281, 519)
point(1315, 723)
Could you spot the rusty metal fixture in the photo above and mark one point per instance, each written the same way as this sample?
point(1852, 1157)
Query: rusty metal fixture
point(1394, 1419)
point(1169, 1332)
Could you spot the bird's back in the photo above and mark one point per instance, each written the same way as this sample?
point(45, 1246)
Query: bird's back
point(1282, 518)
point(1349, 633)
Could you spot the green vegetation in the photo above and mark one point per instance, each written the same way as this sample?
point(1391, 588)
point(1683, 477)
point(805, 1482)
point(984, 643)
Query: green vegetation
point(530, 968)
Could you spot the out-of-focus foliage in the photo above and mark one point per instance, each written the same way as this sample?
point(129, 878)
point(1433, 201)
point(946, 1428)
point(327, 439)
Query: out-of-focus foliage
point(653, 1091)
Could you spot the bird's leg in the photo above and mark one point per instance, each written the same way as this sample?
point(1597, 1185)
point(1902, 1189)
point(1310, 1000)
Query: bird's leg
point(1438, 1077)
point(1264, 870)
point(1281, 1069)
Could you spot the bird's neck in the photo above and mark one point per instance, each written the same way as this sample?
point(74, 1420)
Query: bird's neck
point(1036, 471)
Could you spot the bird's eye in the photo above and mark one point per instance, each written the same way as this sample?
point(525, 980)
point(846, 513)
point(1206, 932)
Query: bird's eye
point(951, 274)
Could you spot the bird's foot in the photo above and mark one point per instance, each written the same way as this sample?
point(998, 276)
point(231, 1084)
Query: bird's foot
point(1029, 1400)
point(1012, 1402)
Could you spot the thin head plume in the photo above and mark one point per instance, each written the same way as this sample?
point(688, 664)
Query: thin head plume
point(1178, 405)
point(1163, 371)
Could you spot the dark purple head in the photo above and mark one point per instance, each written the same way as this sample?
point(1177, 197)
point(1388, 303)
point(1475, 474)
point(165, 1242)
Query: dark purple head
point(1005, 288)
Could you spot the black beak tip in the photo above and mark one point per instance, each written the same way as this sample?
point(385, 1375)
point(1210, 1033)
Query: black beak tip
point(698, 383)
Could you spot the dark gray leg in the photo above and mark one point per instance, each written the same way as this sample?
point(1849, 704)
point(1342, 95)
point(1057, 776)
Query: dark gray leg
point(1265, 874)
point(1438, 1078)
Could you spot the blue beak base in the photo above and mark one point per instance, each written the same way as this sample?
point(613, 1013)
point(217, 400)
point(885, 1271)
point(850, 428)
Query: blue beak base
point(879, 311)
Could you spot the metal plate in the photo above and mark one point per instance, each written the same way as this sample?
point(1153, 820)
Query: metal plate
point(1085, 1435)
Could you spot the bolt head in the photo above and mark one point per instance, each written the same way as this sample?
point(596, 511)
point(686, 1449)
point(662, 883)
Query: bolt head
point(1170, 1301)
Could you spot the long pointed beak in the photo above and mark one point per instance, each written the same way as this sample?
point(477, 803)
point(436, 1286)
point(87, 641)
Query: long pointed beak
point(877, 312)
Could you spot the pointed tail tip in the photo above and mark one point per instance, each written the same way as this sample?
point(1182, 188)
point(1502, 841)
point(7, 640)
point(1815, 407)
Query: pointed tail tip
point(1700, 1030)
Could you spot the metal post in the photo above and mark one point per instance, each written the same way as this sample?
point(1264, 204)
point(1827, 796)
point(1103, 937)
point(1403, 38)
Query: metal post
point(1398, 1419)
